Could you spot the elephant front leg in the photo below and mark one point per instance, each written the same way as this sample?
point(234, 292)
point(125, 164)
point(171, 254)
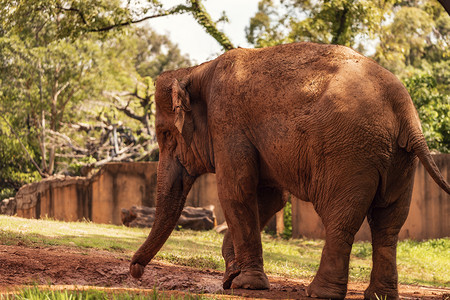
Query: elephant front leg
point(231, 268)
point(237, 180)
point(243, 227)
point(270, 201)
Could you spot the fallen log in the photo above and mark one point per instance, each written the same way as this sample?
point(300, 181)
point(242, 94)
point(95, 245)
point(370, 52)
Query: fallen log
point(195, 218)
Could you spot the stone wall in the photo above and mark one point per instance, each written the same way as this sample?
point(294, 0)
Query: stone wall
point(427, 219)
point(101, 197)
point(122, 185)
point(59, 197)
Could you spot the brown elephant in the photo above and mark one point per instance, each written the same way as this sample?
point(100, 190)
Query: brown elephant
point(320, 121)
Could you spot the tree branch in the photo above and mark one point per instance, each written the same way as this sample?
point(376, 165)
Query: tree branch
point(197, 9)
point(446, 5)
point(61, 89)
point(76, 10)
point(68, 142)
point(126, 110)
point(166, 13)
point(204, 19)
point(337, 34)
point(88, 127)
point(122, 154)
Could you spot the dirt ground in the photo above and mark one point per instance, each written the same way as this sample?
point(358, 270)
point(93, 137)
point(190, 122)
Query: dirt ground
point(61, 266)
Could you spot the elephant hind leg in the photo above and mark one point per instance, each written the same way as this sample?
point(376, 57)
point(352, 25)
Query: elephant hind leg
point(385, 224)
point(342, 217)
point(270, 201)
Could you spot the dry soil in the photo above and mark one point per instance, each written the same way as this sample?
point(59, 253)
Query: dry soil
point(63, 266)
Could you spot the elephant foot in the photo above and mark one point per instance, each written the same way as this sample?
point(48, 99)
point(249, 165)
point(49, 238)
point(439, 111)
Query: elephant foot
point(136, 270)
point(318, 289)
point(252, 280)
point(230, 273)
point(374, 293)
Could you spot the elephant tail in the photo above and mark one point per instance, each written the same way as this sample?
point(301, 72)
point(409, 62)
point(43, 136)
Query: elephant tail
point(413, 140)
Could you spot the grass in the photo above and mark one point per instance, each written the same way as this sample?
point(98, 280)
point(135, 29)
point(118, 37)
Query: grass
point(424, 263)
point(36, 293)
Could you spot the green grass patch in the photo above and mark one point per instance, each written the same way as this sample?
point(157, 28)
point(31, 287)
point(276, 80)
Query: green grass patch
point(425, 263)
point(35, 293)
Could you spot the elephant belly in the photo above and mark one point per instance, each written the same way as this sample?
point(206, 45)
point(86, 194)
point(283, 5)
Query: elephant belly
point(283, 172)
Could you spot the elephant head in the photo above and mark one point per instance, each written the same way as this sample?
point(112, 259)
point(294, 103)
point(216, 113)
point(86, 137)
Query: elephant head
point(182, 137)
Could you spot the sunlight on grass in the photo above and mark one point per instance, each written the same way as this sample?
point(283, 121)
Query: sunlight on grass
point(425, 262)
point(418, 262)
point(194, 249)
point(78, 234)
point(293, 258)
point(36, 293)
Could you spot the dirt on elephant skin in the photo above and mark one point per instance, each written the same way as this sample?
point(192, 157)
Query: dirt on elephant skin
point(61, 266)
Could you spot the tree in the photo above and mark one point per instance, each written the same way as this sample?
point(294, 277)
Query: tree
point(415, 46)
point(15, 167)
point(156, 53)
point(433, 108)
point(72, 18)
point(335, 21)
point(417, 33)
point(53, 79)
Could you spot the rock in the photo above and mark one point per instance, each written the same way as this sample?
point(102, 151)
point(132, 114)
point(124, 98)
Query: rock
point(8, 207)
point(195, 218)
point(222, 228)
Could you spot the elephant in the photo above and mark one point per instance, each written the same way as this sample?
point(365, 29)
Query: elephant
point(323, 122)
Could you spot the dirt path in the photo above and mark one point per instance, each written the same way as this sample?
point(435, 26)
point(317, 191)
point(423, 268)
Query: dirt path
point(63, 266)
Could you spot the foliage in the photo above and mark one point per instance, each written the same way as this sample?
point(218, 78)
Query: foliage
point(418, 262)
point(417, 37)
point(76, 83)
point(58, 19)
point(433, 108)
point(72, 19)
point(48, 81)
point(156, 53)
point(60, 81)
point(287, 219)
point(335, 21)
point(415, 46)
point(15, 169)
point(204, 19)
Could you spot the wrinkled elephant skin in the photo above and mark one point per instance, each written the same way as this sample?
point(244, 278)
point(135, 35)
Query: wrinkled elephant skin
point(319, 121)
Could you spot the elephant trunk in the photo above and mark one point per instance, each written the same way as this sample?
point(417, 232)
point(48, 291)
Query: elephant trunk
point(173, 185)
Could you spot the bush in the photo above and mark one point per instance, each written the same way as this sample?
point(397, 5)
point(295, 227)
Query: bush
point(434, 110)
point(287, 217)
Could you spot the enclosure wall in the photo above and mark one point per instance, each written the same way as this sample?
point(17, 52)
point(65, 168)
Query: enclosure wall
point(122, 185)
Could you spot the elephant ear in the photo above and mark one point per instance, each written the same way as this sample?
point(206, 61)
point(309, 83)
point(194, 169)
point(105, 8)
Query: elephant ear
point(181, 106)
